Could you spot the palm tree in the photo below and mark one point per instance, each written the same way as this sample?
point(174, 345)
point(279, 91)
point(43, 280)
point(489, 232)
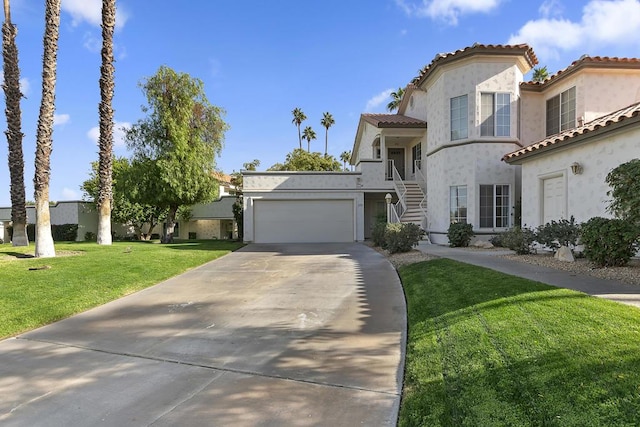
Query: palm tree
point(345, 157)
point(540, 74)
point(298, 118)
point(105, 169)
point(327, 121)
point(44, 240)
point(308, 134)
point(14, 129)
point(396, 99)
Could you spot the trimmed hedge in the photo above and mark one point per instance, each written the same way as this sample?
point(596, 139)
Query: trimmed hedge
point(59, 232)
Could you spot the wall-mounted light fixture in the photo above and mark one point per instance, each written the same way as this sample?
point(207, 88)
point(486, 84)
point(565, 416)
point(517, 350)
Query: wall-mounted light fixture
point(576, 168)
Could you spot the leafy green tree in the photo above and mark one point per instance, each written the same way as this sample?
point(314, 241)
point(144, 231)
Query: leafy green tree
point(624, 181)
point(14, 133)
point(345, 157)
point(298, 118)
point(396, 99)
point(177, 143)
point(309, 134)
point(301, 160)
point(44, 133)
point(540, 74)
point(105, 109)
point(129, 181)
point(326, 121)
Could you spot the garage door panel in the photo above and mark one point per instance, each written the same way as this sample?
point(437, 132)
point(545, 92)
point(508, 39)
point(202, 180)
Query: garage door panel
point(296, 221)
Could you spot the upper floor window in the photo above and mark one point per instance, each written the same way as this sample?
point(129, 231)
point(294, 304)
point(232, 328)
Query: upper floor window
point(561, 112)
point(416, 156)
point(458, 203)
point(494, 206)
point(459, 117)
point(495, 114)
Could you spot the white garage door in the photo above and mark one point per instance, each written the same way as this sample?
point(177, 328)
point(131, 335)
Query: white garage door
point(303, 221)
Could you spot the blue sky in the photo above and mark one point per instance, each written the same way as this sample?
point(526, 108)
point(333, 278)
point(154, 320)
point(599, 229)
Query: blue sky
point(261, 59)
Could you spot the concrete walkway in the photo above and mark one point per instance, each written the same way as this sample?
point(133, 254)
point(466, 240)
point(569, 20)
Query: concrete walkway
point(280, 335)
point(609, 289)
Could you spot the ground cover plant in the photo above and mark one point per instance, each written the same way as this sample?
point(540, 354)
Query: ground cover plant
point(38, 291)
point(489, 349)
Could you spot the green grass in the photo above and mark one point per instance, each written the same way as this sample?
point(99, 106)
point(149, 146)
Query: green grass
point(489, 349)
point(91, 276)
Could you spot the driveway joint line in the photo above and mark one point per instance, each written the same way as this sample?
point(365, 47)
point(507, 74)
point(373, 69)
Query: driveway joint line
point(214, 368)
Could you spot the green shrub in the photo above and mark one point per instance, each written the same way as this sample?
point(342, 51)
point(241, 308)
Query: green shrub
point(559, 233)
point(519, 239)
point(609, 242)
point(460, 234)
point(624, 181)
point(401, 237)
point(64, 232)
point(90, 237)
point(31, 232)
point(377, 234)
point(497, 241)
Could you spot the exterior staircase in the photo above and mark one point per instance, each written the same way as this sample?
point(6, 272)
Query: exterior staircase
point(413, 197)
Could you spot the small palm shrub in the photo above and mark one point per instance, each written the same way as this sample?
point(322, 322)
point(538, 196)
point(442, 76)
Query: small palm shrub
point(460, 234)
point(401, 237)
point(519, 239)
point(559, 233)
point(377, 234)
point(609, 242)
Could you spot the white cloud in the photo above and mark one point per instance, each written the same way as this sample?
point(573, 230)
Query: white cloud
point(25, 86)
point(446, 10)
point(69, 194)
point(378, 100)
point(61, 119)
point(90, 11)
point(91, 42)
point(551, 8)
point(119, 130)
point(603, 22)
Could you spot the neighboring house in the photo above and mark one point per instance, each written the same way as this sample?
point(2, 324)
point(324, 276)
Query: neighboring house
point(440, 155)
point(213, 220)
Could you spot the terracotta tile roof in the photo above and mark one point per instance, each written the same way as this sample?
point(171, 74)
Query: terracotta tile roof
point(562, 139)
point(585, 61)
point(393, 121)
point(476, 49)
point(222, 177)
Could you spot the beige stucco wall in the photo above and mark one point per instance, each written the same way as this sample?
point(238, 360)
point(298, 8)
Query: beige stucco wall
point(598, 92)
point(471, 165)
point(586, 194)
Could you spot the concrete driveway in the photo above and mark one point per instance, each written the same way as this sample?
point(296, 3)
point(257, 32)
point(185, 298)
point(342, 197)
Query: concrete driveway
point(271, 335)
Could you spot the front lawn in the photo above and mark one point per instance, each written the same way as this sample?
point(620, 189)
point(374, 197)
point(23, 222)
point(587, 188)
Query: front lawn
point(85, 275)
point(489, 349)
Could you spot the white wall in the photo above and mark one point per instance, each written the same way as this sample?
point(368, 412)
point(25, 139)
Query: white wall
point(587, 192)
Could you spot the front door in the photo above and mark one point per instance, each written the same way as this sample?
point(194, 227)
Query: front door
point(397, 155)
point(553, 199)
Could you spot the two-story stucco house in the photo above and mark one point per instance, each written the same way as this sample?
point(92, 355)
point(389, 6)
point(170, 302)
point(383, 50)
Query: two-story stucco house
point(453, 152)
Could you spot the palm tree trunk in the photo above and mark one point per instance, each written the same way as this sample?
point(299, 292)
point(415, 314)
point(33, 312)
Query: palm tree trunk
point(44, 239)
point(299, 137)
point(105, 167)
point(326, 141)
point(14, 129)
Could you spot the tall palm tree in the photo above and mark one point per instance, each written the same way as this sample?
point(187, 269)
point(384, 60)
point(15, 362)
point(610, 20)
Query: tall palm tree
point(308, 134)
point(44, 239)
point(298, 118)
point(14, 129)
point(540, 74)
point(345, 157)
point(327, 121)
point(396, 99)
point(105, 168)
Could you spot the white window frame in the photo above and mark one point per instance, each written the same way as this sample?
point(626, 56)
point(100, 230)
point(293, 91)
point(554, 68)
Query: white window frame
point(495, 117)
point(498, 201)
point(560, 112)
point(458, 198)
point(459, 117)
